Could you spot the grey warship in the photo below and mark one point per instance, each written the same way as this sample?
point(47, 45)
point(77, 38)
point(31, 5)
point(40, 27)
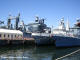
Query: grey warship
point(40, 32)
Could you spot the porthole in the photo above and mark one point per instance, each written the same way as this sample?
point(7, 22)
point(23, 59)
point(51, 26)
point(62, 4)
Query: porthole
point(11, 36)
point(4, 35)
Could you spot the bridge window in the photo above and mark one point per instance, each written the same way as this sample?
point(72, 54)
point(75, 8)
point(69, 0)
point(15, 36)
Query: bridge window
point(8, 35)
point(21, 35)
point(0, 35)
point(15, 35)
point(18, 35)
point(11, 36)
point(4, 35)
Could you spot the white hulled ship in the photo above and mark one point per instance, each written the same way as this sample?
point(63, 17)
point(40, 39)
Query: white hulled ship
point(66, 36)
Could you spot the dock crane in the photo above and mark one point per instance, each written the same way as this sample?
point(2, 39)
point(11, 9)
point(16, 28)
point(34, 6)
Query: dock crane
point(12, 18)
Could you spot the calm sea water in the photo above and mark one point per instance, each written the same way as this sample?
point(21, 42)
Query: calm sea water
point(25, 52)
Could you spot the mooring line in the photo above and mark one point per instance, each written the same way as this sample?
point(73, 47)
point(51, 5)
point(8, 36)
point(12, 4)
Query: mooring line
point(68, 55)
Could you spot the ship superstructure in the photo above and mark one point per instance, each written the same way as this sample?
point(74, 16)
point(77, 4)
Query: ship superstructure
point(38, 26)
point(67, 37)
point(76, 29)
point(13, 34)
point(62, 28)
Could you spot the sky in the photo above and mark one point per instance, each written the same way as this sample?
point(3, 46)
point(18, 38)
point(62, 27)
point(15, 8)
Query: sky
point(51, 10)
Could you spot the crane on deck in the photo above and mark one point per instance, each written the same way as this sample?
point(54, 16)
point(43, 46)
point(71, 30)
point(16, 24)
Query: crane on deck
point(17, 18)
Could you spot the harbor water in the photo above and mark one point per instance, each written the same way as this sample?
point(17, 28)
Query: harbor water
point(25, 52)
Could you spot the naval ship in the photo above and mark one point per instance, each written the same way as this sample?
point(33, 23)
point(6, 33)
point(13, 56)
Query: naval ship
point(64, 36)
point(39, 31)
point(16, 34)
point(20, 32)
point(8, 34)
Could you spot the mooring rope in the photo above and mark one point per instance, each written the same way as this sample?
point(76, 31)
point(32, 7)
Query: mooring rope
point(68, 55)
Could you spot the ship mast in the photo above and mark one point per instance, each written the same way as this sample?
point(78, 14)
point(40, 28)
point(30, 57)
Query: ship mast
point(67, 25)
point(62, 25)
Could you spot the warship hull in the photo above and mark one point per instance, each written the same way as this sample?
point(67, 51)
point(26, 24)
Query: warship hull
point(61, 41)
point(42, 40)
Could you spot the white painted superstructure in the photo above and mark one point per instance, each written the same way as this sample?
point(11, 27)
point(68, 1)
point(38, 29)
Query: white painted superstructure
point(67, 25)
point(56, 31)
point(62, 29)
point(10, 34)
point(41, 34)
